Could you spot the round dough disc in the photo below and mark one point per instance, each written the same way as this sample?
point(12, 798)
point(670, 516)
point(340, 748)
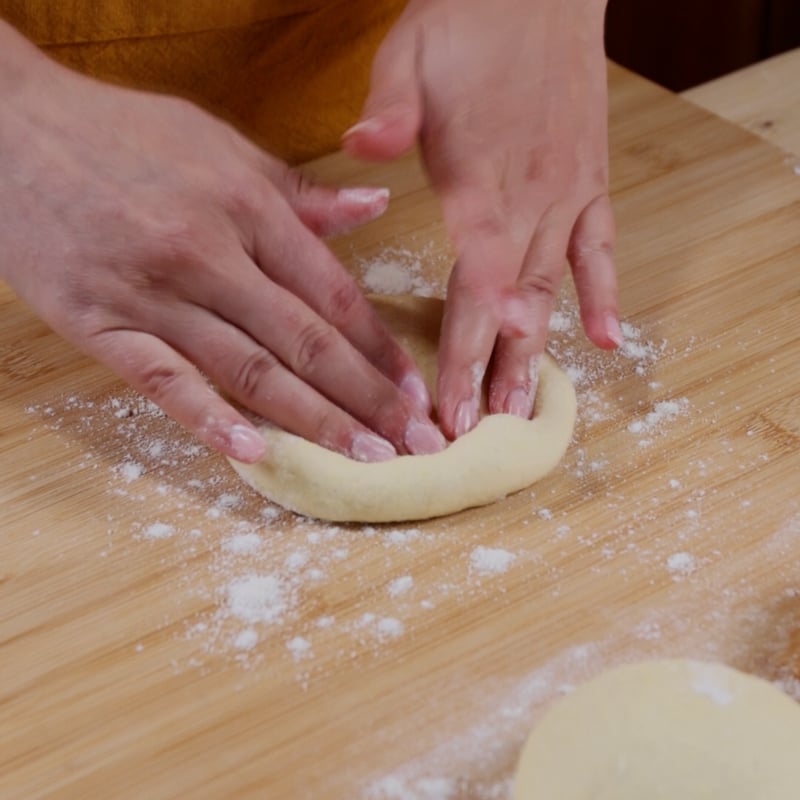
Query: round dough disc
point(502, 454)
point(665, 730)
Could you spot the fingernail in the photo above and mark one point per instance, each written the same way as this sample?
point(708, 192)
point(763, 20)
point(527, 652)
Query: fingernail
point(414, 387)
point(246, 444)
point(370, 448)
point(368, 126)
point(424, 438)
point(466, 416)
point(519, 403)
point(613, 330)
point(364, 195)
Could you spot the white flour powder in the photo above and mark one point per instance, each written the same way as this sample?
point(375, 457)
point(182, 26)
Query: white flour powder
point(491, 560)
point(258, 576)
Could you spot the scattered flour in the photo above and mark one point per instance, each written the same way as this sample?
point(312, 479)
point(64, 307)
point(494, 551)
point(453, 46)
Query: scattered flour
point(707, 684)
point(227, 501)
point(388, 277)
point(491, 560)
point(399, 536)
point(400, 586)
point(663, 412)
point(130, 471)
point(398, 271)
point(299, 647)
point(561, 322)
point(158, 530)
point(246, 639)
point(681, 565)
point(296, 560)
point(242, 544)
point(257, 598)
point(274, 582)
point(390, 628)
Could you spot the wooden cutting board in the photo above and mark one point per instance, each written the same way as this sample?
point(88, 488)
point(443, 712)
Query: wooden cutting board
point(165, 633)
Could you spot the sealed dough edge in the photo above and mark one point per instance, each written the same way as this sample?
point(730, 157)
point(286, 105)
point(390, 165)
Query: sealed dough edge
point(664, 730)
point(501, 455)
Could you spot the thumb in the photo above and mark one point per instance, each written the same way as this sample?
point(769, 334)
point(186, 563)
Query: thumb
point(392, 114)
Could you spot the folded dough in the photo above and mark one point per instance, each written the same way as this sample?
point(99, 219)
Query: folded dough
point(502, 454)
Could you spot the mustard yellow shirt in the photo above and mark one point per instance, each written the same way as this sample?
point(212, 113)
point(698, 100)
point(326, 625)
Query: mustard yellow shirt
point(291, 74)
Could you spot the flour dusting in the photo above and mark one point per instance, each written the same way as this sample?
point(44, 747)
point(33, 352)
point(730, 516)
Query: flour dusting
point(277, 596)
point(397, 271)
point(256, 598)
point(706, 682)
point(158, 530)
point(681, 565)
point(491, 560)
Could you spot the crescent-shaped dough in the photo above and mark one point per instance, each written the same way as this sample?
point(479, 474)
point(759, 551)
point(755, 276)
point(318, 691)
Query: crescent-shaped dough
point(502, 454)
point(665, 730)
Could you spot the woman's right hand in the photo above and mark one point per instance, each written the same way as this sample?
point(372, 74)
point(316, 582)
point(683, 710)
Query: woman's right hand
point(164, 244)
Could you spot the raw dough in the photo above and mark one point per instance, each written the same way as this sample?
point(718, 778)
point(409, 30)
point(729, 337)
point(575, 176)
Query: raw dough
point(501, 455)
point(666, 730)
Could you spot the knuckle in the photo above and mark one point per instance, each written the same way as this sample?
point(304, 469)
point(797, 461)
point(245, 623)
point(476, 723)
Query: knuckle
point(77, 309)
point(476, 213)
point(388, 415)
point(472, 290)
point(329, 430)
point(85, 323)
point(540, 283)
point(489, 225)
point(159, 381)
point(552, 167)
point(485, 220)
point(252, 373)
point(313, 345)
point(342, 303)
point(174, 242)
point(584, 249)
point(240, 196)
point(592, 240)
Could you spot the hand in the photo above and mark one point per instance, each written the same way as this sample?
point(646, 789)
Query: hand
point(509, 101)
point(162, 243)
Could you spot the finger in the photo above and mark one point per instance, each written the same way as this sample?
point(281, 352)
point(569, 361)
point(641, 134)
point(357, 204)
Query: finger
point(171, 382)
point(486, 268)
point(260, 382)
point(315, 351)
point(392, 115)
point(591, 255)
point(314, 274)
point(514, 377)
point(326, 210)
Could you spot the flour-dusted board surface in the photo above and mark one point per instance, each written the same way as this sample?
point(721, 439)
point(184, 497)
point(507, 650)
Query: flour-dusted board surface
point(166, 633)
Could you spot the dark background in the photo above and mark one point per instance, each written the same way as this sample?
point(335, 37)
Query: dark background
point(680, 43)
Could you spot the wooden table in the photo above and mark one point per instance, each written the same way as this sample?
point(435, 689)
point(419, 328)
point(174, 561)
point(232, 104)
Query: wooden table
point(165, 633)
point(764, 98)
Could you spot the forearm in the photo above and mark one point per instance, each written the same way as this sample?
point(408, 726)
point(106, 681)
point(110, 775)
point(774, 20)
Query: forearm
point(19, 58)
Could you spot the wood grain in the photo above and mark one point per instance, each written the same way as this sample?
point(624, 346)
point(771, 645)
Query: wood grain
point(764, 98)
point(110, 686)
